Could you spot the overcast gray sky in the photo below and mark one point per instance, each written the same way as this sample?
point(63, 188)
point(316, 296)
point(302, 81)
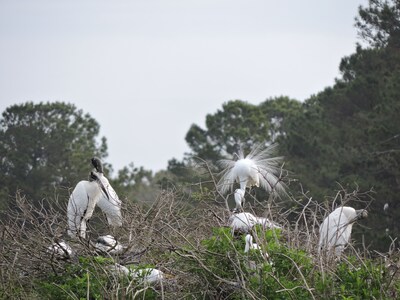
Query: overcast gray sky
point(147, 69)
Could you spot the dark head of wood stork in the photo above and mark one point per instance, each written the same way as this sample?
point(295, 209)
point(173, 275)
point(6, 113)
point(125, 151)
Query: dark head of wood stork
point(96, 162)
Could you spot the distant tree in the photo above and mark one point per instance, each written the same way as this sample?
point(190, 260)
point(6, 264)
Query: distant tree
point(379, 23)
point(240, 124)
point(46, 146)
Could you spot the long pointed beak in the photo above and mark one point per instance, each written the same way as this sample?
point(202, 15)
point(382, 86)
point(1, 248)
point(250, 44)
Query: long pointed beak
point(101, 185)
point(362, 214)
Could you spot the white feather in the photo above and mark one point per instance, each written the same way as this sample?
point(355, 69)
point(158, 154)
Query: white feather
point(239, 198)
point(244, 222)
point(60, 249)
point(335, 231)
point(81, 205)
point(108, 244)
point(111, 206)
point(148, 275)
point(83, 200)
point(258, 168)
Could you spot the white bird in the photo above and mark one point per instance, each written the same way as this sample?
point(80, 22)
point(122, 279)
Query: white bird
point(258, 168)
point(82, 202)
point(386, 207)
point(60, 250)
point(108, 244)
point(250, 245)
point(148, 275)
point(335, 231)
point(109, 203)
point(244, 222)
point(118, 270)
point(85, 197)
point(239, 199)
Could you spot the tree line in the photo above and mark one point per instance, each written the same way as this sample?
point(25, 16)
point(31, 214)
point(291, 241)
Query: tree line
point(344, 137)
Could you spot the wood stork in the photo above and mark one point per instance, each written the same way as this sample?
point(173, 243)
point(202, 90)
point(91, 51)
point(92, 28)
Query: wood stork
point(244, 222)
point(60, 249)
point(88, 194)
point(335, 231)
point(118, 270)
point(82, 202)
point(108, 244)
point(258, 168)
point(109, 203)
point(148, 275)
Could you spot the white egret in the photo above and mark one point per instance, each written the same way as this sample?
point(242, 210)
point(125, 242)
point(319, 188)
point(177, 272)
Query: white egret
point(108, 244)
point(244, 222)
point(250, 245)
point(258, 168)
point(335, 231)
point(60, 249)
point(82, 202)
point(239, 199)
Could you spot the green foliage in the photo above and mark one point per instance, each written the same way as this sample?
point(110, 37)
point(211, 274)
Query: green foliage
point(222, 263)
point(240, 123)
point(379, 23)
point(359, 280)
point(79, 281)
point(46, 146)
point(289, 273)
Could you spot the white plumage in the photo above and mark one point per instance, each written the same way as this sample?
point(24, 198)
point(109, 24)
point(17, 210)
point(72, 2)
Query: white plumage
point(118, 270)
point(239, 199)
point(60, 250)
point(148, 275)
point(82, 202)
point(244, 222)
point(335, 231)
point(250, 245)
point(258, 168)
point(110, 204)
point(85, 197)
point(108, 244)
point(386, 207)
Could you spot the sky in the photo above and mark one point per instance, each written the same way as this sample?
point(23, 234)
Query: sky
point(146, 70)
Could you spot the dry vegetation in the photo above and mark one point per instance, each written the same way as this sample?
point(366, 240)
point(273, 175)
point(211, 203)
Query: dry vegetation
point(194, 247)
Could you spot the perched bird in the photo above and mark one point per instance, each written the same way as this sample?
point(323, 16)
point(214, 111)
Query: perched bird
point(386, 207)
point(108, 244)
point(109, 203)
point(258, 168)
point(335, 231)
point(239, 199)
point(148, 275)
point(82, 202)
point(60, 249)
point(244, 222)
point(118, 270)
point(250, 245)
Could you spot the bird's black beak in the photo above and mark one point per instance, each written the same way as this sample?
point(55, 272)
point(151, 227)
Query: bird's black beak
point(361, 214)
point(94, 177)
point(97, 164)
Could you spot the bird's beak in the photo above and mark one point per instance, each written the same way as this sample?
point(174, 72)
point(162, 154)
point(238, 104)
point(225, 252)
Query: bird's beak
point(96, 178)
point(361, 214)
